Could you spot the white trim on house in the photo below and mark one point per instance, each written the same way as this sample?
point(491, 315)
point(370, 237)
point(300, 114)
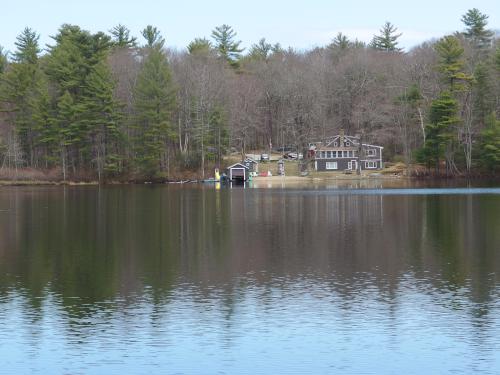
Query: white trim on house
point(242, 167)
point(336, 154)
point(329, 165)
point(351, 139)
point(371, 164)
point(368, 145)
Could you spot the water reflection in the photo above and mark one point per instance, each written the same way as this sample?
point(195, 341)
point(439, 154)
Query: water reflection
point(191, 279)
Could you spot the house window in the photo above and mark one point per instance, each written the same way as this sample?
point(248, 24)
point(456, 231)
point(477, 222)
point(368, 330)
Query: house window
point(370, 152)
point(331, 165)
point(344, 153)
point(335, 144)
point(334, 154)
point(329, 155)
point(347, 144)
point(370, 164)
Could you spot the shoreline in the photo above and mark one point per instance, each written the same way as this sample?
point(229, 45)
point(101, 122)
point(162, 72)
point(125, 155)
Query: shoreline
point(257, 180)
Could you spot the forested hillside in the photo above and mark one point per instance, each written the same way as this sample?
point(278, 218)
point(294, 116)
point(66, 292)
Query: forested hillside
point(111, 105)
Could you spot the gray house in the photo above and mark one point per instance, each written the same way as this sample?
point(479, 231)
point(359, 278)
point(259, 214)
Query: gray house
point(344, 153)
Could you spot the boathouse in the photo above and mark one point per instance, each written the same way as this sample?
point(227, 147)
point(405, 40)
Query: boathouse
point(238, 172)
point(345, 153)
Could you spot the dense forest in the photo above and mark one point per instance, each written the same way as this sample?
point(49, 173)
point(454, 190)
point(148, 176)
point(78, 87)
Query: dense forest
point(110, 106)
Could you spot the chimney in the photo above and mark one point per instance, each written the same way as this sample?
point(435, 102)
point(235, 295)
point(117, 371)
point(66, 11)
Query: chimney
point(342, 137)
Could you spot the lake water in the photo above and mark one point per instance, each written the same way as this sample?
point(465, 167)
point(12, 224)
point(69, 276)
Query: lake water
point(376, 279)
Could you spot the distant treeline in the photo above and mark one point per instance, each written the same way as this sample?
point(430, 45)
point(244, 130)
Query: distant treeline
point(106, 106)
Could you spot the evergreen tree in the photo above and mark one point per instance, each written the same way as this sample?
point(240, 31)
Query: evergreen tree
point(388, 39)
point(199, 46)
point(484, 100)
point(121, 37)
point(340, 42)
point(440, 131)
point(475, 23)
point(3, 60)
point(71, 61)
point(451, 62)
point(261, 50)
point(18, 90)
point(489, 154)
point(497, 59)
point(45, 124)
point(153, 37)
point(277, 49)
point(100, 115)
point(66, 130)
point(228, 48)
point(27, 47)
point(154, 102)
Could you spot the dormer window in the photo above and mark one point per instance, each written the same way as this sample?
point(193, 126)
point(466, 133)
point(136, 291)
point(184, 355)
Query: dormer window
point(335, 144)
point(347, 144)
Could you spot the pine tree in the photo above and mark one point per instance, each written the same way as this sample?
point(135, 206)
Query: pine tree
point(67, 128)
point(45, 125)
point(153, 37)
point(484, 100)
point(18, 90)
point(388, 39)
point(277, 49)
point(27, 47)
point(199, 46)
point(497, 59)
point(3, 60)
point(69, 64)
point(122, 38)
point(440, 131)
point(261, 50)
point(100, 115)
point(72, 58)
point(451, 62)
point(154, 101)
point(340, 42)
point(228, 48)
point(489, 154)
point(475, 23)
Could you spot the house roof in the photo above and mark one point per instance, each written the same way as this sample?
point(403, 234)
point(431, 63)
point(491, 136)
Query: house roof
point(354, 140)
point(251, 160)
point(237, 165)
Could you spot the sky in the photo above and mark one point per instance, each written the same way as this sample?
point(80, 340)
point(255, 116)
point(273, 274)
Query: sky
point(300, 24)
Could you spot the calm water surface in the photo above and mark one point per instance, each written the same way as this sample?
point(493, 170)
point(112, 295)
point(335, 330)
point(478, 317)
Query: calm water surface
point(193, 280)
